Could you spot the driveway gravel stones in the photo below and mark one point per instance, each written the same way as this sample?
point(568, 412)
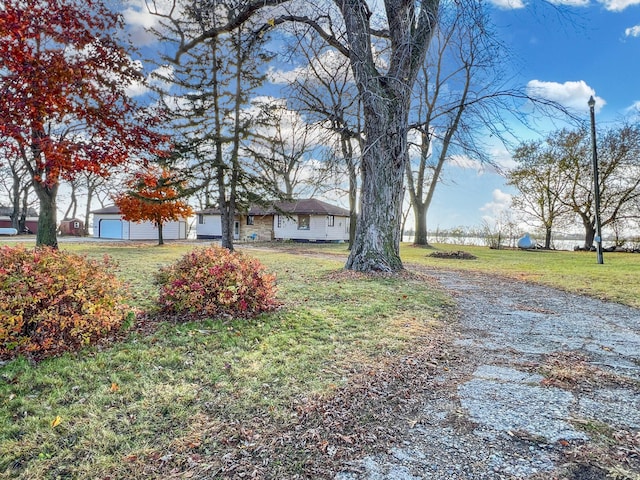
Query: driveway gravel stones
point(495, 415)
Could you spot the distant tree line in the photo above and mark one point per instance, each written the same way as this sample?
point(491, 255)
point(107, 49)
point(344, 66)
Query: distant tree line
point(554, 178)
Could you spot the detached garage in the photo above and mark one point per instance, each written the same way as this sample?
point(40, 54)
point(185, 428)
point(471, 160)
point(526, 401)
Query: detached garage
point(109, 224)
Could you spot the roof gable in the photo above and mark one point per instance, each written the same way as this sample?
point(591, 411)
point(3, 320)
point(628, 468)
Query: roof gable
point(304, 206)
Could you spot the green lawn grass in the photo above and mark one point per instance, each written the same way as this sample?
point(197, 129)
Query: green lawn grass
point(618, 279)
point(147, 406)
point(143, 407)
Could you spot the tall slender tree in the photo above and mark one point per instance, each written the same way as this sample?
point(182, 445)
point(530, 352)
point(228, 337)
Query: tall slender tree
point(326, 94)
point(63, 106)
point(207, 93)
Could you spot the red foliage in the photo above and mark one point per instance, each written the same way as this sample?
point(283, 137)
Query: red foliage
point(155, 196)
point(63, 101)
point(213, 282)
point(52, 301)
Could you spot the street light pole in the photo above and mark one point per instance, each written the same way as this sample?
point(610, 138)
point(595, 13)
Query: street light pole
point(596, 181)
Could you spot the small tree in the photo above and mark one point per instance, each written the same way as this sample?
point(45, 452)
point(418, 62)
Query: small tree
point(155, 196)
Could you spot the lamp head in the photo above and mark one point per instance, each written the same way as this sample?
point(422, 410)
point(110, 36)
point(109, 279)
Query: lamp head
point(592, 102)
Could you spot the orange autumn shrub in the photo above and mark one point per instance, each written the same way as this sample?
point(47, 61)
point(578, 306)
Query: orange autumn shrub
point(214, 282)
point(52, 301)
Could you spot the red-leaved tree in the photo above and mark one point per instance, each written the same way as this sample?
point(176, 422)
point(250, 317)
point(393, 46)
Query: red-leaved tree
point(63, 102)
point(155, 195)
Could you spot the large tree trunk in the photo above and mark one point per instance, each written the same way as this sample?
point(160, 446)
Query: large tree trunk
point(87, 210)
point(353, 214)
point(377, 242)
point(227, 217)
point(420, 213)
point(47, 220)
point(547, 238)
point(386, 102)
point(589, 233)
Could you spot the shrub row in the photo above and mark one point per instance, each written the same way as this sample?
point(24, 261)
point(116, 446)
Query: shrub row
point(52, 301)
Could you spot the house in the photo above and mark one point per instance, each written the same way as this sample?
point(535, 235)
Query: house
point(30, 224)
point(303, 220)
point(71, 226)
point(108, 223)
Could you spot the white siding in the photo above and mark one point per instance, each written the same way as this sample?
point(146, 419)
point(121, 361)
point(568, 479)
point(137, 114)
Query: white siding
point(318, 229)
point(212, 226)
point(148, 231)
point(143, 230)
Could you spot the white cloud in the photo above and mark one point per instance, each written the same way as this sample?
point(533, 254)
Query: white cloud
point(140, 20)
point(327, 66)
point(633, 112)
point(508, 4)
point(633, 31)
point(463, 161)
point(500, 204)
point(502, 158)
point(572, 3)
point(618, 5)
point(572, 95)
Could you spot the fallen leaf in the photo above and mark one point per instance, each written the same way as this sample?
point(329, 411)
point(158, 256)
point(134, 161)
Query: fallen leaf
point(56, 421)
point(114, 387)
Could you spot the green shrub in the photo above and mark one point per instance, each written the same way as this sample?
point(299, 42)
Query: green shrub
point(52, 301)
point(214, 282)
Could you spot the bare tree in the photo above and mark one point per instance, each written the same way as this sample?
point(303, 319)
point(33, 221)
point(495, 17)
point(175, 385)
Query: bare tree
point(384, 89)
point(19, 188)
point(541, 183)
point(326, 93)
point(463, 96)
point(283, 144)
point(619, 174)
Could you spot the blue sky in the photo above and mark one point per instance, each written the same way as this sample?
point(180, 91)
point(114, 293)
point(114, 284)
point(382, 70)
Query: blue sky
point(566, 50)
point(583, 48)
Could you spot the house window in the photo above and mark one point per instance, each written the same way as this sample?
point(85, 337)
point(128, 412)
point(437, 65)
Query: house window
point(76, 224)
point(279, 221)
point(331, 220)
point(304, 222)
point(249, 219)
point(200, 219)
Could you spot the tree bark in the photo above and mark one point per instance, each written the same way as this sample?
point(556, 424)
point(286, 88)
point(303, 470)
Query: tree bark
point(420, 213)
point(47, 220)
point(386, 100)
point(376, 245)
point(589, 233)
point(160, 236)
point(547, 238)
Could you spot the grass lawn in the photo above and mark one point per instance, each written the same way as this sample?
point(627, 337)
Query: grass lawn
point(221, 399)
point(191, 399)
point(618, 279)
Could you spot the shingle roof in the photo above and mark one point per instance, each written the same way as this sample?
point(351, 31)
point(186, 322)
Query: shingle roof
point(6, 211)
point(303, 206)
point(109, 209)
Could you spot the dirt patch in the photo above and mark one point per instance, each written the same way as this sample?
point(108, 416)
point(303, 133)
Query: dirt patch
point(458, 255)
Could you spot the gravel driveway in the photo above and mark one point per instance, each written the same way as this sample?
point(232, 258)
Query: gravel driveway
point(549, 389)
